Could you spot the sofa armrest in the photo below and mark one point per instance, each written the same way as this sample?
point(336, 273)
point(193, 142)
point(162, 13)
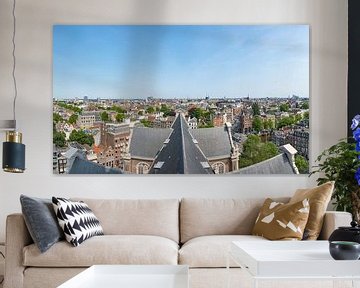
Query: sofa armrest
point(17, 237)
point(333, 220)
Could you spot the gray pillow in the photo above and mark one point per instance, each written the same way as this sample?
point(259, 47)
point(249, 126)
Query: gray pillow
point(41, 221)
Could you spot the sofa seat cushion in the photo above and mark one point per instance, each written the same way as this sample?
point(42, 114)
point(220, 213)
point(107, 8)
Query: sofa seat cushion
point(211, 251)
point(107, 249)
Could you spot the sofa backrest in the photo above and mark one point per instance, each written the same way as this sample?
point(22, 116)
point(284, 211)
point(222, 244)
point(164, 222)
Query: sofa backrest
point(159, 217)
point(200, 217)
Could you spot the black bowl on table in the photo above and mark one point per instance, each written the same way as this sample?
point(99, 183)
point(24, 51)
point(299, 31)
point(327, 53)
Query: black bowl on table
point(344, 250)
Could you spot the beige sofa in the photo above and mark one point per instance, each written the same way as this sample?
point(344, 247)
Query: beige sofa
point(194, 232)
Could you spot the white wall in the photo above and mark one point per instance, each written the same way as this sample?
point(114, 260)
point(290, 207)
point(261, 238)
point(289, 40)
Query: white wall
point(328, 21)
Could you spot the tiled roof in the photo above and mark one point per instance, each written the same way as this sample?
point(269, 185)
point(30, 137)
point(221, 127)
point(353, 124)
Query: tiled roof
point(71, 152)
point(213, 141)
point(180, 155)
point(146, 142)
point(82, 166)
point(279, 164)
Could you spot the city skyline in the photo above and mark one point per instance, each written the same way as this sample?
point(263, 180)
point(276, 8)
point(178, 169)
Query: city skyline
point(223, 61)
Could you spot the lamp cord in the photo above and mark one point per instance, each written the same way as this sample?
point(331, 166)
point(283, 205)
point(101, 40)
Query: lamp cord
point(2, 280)
point(14, 61)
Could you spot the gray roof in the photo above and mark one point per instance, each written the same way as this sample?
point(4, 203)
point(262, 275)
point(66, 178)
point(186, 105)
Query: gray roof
point(82, 166)
point(71, 152)
point(279, 164)
point(180, 155)
point(213, 141)
point(146, 142)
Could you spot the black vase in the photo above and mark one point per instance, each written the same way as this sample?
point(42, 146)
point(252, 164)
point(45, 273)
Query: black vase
point(351, 233)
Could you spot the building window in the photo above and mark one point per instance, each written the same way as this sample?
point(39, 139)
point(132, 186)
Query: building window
point(218, 167)
point(142, 168)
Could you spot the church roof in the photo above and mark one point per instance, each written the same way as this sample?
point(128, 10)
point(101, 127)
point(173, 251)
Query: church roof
point(279, 164)
point(146, 142)
point(213, 142)
point(180, 154)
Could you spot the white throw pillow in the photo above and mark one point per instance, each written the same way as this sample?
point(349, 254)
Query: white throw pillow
point(77, 220)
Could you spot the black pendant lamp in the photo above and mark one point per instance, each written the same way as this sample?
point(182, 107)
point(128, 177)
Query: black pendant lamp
point(13, 158)
point(13, 153)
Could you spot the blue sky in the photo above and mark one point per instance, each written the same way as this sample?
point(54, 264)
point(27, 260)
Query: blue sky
point(183, 61)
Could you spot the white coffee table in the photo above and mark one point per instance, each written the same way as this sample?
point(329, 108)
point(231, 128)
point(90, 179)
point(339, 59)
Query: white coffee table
point(131, 276)
point(285, 260)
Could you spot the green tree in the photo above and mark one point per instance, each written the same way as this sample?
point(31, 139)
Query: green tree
point(150, 110)
point(306, 115)
point(198, 113)
point(254, 151)
point(208, 117)
point(265, 124)
point(57, 118)
point(298, 118)
point(257, 124)
point(284, 107)
point(73, 118)
point(285, 121)
point(305, 105)
point(118, 109)
point(268, 150)
point(104, 116)
point(140, 113)
point(70, 107)
point(164, 108)
point(120, 117)
point(59, 138)
point(302, 164)
point(81, 137)
point(255, 108)
point(269, 124)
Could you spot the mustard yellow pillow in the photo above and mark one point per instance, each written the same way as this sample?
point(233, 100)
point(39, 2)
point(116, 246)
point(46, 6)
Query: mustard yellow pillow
point(279, 221)
point(319, 198)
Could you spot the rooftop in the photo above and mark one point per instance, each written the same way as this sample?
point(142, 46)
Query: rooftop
point(83, 166)
point(180, 155)
point(213, 142)
point(146, 142)
point(280, 164)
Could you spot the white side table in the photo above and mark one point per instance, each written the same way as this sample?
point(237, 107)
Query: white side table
point(308, 261)
point(131, 276)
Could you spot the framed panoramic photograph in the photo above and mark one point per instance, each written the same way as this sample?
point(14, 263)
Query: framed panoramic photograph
point(181, 99)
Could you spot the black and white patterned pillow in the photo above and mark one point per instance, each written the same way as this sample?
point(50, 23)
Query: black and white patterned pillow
point(77, 220)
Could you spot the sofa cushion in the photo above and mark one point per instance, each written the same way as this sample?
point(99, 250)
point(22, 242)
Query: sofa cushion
point(211, 251)
point(41, 221)
point(279, 221)
point(158, 217)
point(200, 217)
point(319, 198)
point(77, 220)
point(107, 249)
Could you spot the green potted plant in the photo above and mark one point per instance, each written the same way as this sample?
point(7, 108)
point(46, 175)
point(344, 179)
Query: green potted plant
point(341, 163)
